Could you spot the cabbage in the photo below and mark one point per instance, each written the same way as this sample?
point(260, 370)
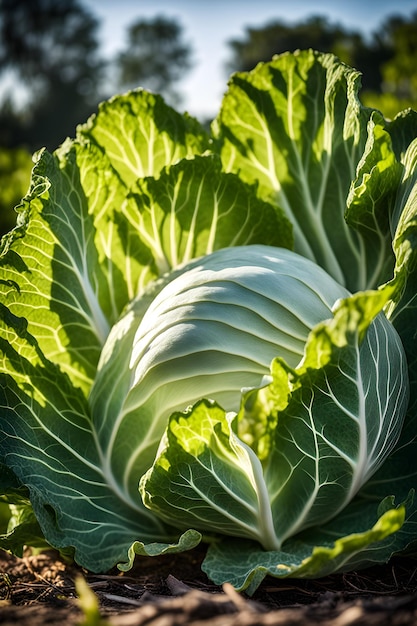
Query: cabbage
point(212, 338)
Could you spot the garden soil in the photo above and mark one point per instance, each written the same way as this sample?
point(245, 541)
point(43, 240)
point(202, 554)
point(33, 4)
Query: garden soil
point(172, 591)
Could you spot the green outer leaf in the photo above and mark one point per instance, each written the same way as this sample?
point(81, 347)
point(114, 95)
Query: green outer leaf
point(140, 134)
point(193, 208)
point(205, 477)
point(399, 472)
point(48, 443)
point(296, 126)
point(341, 422)
point(75, 260)
point(69, 276)
point(188, 540)
point(346, 543)
point(371, 194)
point(402, 309)
point(403, 129)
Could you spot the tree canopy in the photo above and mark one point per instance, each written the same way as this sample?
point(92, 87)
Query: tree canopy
point(387, 59)
point(156, 57)
point(399, 72)
point(51, 46)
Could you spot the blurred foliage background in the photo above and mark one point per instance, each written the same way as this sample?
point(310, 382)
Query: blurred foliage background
point(50, 51)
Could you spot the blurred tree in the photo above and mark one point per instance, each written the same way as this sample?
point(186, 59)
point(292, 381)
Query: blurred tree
point(399, 72)
point(51, 47)
point(156, 57)
point(387, 60)
point(260, 44)
point(398, 88)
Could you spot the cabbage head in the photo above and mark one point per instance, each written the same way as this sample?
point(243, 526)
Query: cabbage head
point(212, 337)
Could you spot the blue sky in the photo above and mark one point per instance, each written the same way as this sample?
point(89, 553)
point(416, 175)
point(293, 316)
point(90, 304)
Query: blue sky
point(209, 25)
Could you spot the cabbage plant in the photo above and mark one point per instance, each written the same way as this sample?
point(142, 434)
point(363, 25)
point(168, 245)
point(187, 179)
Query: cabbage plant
point(212, 337)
